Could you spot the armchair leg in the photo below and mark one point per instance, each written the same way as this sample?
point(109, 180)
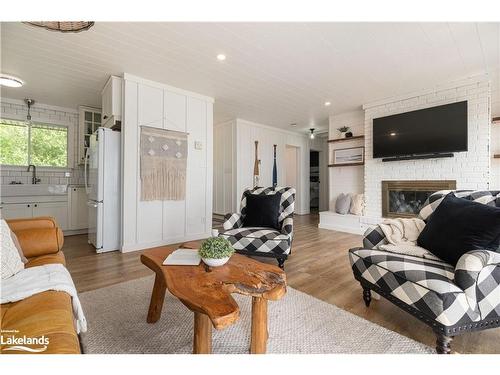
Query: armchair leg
point(367, 296)
point(281, 263)
point(443, 343)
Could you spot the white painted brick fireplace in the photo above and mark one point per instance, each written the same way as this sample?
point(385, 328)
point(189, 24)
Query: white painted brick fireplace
point(470, 169)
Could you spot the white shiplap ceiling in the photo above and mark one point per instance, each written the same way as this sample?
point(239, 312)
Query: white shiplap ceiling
point(275, 73)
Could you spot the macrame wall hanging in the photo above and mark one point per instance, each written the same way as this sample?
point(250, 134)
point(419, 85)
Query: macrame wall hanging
point(163, 164)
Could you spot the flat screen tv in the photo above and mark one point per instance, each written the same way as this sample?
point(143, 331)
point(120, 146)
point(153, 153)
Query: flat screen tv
point(435, 130)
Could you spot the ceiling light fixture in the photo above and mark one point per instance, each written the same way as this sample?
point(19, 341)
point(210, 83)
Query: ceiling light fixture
point(311, 136)
point(393, 134)
point(293, 124)
point(221, 57)
point(10, 81)
point(63, 26)
point(328, 104)
point(29, 103)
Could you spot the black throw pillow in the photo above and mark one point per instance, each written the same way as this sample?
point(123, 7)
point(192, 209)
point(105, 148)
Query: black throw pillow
point(458, 226)
point(262, 211)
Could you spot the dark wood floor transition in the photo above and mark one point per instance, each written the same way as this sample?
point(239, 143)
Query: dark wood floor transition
point(319, 266)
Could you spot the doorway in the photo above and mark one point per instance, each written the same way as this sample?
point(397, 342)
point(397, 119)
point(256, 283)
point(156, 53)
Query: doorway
point(314, 181)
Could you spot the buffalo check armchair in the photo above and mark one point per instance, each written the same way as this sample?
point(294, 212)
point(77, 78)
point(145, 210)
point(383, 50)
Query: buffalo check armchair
point(263, 241)
point(451, 300)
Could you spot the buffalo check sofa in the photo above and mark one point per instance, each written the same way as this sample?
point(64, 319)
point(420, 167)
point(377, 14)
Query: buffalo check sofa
point(451, 300)
point(263, 241)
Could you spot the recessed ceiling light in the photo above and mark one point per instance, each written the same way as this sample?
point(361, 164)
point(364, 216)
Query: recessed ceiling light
point(294, 124)
point(10, 81)
point(327, 104)
point(393, 134)
point(221, 57)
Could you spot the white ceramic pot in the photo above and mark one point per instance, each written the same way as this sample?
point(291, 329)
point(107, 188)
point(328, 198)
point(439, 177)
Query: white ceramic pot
point(215, 262)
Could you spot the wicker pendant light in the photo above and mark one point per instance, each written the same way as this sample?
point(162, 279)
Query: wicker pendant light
point(63, 26)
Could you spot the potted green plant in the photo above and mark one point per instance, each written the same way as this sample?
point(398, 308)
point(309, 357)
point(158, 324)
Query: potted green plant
point(215, 251)
point(343, 131)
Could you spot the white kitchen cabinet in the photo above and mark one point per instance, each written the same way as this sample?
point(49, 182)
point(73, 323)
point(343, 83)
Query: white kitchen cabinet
point(16, 211)
point(77, 208)
point(111, 96)
point(89, 119)
point(57, 210)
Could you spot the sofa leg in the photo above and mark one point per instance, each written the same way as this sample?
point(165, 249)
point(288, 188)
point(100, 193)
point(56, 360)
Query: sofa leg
point(443, 344)
point(281, 263)
point(367, 296)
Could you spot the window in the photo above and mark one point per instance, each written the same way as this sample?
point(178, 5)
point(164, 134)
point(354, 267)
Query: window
point(43, 145)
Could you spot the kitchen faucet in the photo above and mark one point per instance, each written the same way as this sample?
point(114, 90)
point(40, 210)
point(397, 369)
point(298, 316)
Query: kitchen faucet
point(34, 180)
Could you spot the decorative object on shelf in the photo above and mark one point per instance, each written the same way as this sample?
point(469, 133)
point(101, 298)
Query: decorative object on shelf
point(63, 26)
point(256, 163)
point(348, 156)
point(348, 135)
point(275, 170)
point(354, 137)
point(163, 164)
point(215, 251)
point(343, 131)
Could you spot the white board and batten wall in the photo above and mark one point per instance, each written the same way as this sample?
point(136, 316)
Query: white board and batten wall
point(155, 223)
point(234, 160)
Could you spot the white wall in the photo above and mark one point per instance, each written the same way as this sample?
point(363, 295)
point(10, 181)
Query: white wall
point(291, 166)
point(245, 133)
point(149, 224)
point(224, 191)
point(348, 179)
point(470, 169)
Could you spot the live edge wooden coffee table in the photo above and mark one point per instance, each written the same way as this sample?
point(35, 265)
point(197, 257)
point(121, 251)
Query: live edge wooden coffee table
point(207, 292)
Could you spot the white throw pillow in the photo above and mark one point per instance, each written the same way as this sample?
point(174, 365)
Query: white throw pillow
point(343, 204)
point(10, 259)
point(357, 204)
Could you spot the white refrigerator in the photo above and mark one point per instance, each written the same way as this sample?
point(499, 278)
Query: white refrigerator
point(102, 182)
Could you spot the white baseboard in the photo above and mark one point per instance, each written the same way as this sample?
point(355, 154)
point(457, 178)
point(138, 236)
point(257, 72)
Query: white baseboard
point(74, 232)
point(170, 241)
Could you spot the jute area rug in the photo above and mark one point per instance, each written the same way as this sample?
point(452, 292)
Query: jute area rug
point(298, 323)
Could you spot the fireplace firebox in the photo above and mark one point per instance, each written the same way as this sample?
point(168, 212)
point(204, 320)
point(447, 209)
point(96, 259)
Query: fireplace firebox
point(406, 198)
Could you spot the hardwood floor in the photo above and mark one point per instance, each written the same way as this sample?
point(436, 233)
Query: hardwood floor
point(318, 266)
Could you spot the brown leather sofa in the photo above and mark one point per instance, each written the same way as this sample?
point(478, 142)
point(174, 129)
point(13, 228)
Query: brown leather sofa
point(49, 313)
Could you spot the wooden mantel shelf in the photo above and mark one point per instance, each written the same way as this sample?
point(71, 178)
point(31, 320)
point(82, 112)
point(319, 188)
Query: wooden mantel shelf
point(346, 139)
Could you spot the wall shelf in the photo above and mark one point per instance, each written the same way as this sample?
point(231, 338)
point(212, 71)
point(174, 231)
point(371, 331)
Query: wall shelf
point(345, 165)
point(495, 120)
point(496, 156)
point(346, 139)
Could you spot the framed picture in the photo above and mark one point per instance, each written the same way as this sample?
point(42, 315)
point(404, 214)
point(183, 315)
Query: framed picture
point(348, 156)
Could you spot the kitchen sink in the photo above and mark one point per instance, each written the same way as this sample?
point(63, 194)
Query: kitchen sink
point(32, 190)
